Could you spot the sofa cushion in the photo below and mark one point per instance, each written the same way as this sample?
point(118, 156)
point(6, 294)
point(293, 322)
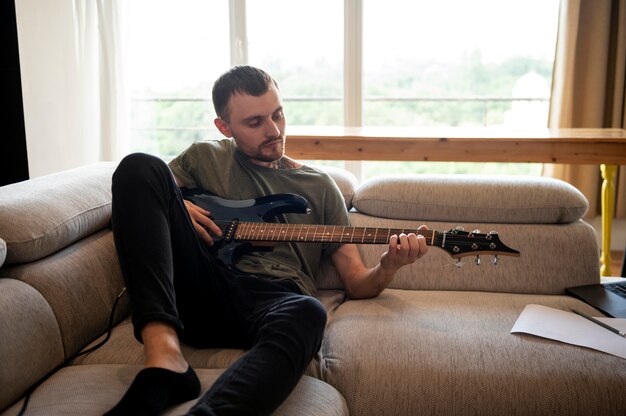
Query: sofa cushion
point(471, 198)
point(80, 284)
point(123, 348)
point(548, 261)
point(94, 389)
point(30, 340)
point(62, 208)
point(547, 264)
point(345, 180)
point(452, 353)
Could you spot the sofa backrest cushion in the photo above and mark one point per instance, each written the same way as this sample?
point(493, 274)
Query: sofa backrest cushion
point(471, 198)
point(43, 215)
point(345, 180)
point(552, 258)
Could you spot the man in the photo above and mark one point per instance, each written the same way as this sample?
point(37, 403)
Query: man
point(179, 292)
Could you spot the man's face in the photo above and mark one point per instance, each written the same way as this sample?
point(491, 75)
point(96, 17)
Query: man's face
point(257, 124)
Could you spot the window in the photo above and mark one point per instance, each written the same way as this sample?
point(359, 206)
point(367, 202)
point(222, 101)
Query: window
point(301, 45)
point(413, 63)
point(176, 50)
point(457, 63)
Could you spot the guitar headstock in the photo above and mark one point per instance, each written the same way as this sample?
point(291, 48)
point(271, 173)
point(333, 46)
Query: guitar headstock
point(459, 243)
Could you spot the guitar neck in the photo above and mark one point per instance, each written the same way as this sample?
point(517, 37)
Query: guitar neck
point(310, 233)
point(457, 243)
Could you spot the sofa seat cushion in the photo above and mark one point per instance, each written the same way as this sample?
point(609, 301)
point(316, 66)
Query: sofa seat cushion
point(62, 208)
point(471, 198)
point(123, 348)
point(452, 353)
point(94, 389)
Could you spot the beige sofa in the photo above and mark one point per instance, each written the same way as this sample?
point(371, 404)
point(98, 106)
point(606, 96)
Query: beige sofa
point(437, 341)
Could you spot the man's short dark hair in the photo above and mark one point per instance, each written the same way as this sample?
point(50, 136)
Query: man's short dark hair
point(243, 79)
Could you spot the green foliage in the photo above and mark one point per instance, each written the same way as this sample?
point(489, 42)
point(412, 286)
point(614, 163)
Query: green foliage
point(168, 125)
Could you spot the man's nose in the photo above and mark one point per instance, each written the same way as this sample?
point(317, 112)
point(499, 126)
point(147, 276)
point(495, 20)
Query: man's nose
point(272, 129)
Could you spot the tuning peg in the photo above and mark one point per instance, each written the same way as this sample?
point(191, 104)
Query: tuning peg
point(458, 264)
point(495, 260)
point(478, 260)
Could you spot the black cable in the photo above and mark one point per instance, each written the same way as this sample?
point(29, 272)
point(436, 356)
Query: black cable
point(95, 347)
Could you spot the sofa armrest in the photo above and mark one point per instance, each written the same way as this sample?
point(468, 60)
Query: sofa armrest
point(43, 215)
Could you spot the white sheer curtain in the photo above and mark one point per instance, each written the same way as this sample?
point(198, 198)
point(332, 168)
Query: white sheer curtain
point(75, 100)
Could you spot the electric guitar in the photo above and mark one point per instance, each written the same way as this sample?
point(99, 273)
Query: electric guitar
point(246, 227)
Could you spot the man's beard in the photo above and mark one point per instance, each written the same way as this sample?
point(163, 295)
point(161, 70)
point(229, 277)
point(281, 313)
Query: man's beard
point(277, 152)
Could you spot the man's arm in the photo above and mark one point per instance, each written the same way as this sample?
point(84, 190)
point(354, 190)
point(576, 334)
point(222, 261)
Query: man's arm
point(362, 282)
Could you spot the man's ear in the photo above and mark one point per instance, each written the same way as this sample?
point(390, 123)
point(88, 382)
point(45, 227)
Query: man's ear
point(222, 126)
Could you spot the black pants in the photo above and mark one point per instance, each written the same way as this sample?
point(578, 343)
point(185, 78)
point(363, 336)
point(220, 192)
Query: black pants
point(171, 277)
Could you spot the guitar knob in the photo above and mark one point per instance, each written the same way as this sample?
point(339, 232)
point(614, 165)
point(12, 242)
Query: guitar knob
point(458, 264)
point(495, 260)
point(459, 228)
point(478, 260)
point(476, 232)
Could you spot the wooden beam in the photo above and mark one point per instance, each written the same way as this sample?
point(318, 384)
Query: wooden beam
point(576, 146)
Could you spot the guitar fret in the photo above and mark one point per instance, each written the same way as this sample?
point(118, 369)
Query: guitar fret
point(349, 233)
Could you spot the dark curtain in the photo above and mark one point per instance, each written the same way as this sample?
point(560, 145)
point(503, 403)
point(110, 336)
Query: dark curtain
point(13, 156)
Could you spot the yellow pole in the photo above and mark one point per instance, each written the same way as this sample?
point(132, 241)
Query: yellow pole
point(608, 202)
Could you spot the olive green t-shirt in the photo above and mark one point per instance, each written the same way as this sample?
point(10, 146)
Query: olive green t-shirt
point(220, 168)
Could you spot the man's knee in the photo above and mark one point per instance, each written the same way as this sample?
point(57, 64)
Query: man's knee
point(137, 165)
point(312, 312)
point(138, 169)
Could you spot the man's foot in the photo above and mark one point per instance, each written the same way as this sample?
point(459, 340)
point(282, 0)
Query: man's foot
point(155, 389)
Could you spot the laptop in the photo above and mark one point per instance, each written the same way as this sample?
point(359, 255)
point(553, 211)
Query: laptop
point(609, 298)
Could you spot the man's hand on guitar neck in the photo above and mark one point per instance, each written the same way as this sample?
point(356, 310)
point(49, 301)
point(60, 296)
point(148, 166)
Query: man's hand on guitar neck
point(403, 249)
point(362, 282)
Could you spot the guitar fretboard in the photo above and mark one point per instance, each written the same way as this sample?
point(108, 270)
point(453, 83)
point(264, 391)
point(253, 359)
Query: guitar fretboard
point(310, 233)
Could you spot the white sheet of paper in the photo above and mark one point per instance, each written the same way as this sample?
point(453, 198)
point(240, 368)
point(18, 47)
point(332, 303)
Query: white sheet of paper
point(571, 328)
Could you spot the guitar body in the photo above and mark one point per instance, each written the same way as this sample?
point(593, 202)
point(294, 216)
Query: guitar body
point(228, 213)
